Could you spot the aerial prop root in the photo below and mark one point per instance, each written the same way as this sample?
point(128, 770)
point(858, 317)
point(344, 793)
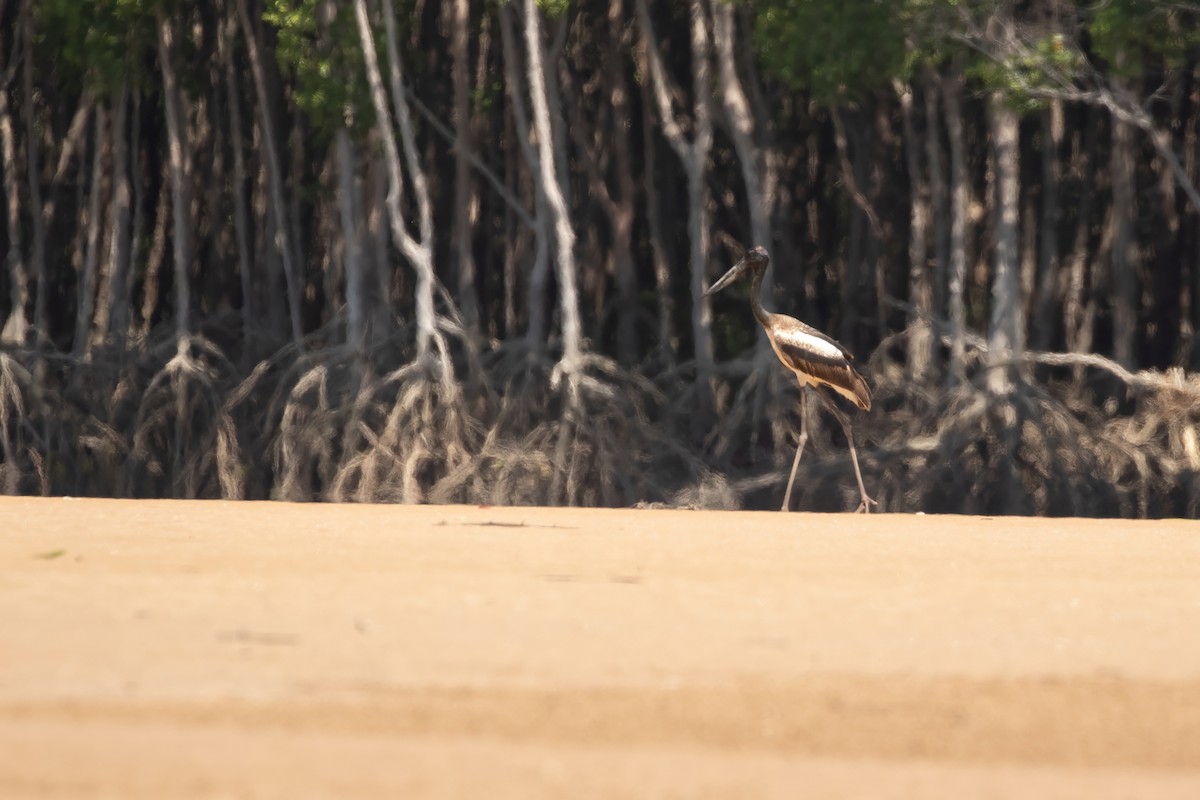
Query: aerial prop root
point(949, 458)
point(416, 429)
point(182, 433)
point(767, 401)
point(17, 435)
point(604, 437)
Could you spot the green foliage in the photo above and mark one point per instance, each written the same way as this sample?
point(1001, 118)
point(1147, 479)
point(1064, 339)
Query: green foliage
point(833, 48)
point(98, 43)
point(485, 96)
point(930, 27)
point(554, 8)
point(1025, 79)
point(318, 40)
point(1128, 34)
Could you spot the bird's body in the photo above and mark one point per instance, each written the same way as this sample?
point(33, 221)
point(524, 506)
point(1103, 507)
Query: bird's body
point(818, 361)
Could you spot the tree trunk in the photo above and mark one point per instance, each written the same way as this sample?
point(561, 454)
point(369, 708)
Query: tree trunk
point(622, 209)
point(1004, 331)
point(668, 342)
point(72, 143)
point(283, 241)
point(1028, 259)
point(1189, 323)
point(112, 324)
point(154, 259)
point(1096, 265)
point(241, 217)
point(330, 236)
point(1049, 268)
point(564, 236)
point(296, 177)
point(86, 300)
point(1077, 263)
point(1164, 340)
point(694, 156)
point(515, 237)
point(558, 38)
point(180, 173)
point(937, 202)
point(137, 225)
point(418, 253)
point(920, 297)
point(760, 194)
point(351, 245)
point(381, 269)
point(959, 199)
point(1124, 248)
point(539, 275)
point(466, 193)
point(38, 224)
point(589, 136)
point(878, 244)
point(17, 325)
point(866, 231)
point(813, 174)
point(698, 214)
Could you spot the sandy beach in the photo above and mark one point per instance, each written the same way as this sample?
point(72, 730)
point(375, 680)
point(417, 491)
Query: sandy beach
point(209, 649)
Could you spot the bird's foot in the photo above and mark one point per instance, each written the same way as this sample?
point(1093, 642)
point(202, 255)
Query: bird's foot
point(865, 506)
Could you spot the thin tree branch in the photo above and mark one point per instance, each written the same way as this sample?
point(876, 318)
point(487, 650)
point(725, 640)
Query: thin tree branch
point(1120, 103)
point(852, 187)
point(658, 84)
point(444, 131)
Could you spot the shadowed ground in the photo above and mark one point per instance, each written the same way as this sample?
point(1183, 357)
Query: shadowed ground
point(203, 649)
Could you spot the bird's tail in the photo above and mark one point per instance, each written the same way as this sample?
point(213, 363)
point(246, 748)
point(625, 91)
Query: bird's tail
point(860, 392)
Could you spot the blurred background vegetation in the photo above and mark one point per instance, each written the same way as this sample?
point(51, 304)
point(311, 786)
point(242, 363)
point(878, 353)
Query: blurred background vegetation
point(454, 250)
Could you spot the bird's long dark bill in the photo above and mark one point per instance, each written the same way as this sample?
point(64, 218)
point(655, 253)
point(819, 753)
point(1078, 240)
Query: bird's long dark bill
point(726, 279)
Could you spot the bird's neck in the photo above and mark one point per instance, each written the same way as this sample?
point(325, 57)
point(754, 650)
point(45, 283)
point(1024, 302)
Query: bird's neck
point(760, 313)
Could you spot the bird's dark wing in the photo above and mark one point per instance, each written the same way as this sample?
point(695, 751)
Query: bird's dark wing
point(820, 358)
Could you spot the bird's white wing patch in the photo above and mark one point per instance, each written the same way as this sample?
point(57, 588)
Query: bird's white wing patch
point(807, 343)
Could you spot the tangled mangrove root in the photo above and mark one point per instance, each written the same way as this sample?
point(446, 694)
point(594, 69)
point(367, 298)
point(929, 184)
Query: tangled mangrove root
point(590, 437)
point(304, 457)
point(320, 422)
point(19, 446)
point(712, 491)
point(762, 416)
point(1043, 449)
point(408, 432)
point(184, 442)
point(1049, 448)
point(1024, 454)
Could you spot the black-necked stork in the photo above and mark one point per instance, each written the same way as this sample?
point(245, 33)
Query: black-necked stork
point(818, 361)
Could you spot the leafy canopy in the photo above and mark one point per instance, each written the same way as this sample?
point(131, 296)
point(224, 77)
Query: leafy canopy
point(1130, 34)
point(318, 41)
point(99, 43)
point(833, 48)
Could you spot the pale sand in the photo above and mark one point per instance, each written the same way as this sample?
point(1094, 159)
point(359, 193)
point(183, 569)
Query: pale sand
point(204, 649)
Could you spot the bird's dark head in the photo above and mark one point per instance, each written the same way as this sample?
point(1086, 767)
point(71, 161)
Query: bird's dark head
point(755, 260)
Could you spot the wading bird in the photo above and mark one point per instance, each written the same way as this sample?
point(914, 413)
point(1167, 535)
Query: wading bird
point(819, 362)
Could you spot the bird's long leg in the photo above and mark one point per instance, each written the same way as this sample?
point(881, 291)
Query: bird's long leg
point(787, 496)
point(867, 502)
